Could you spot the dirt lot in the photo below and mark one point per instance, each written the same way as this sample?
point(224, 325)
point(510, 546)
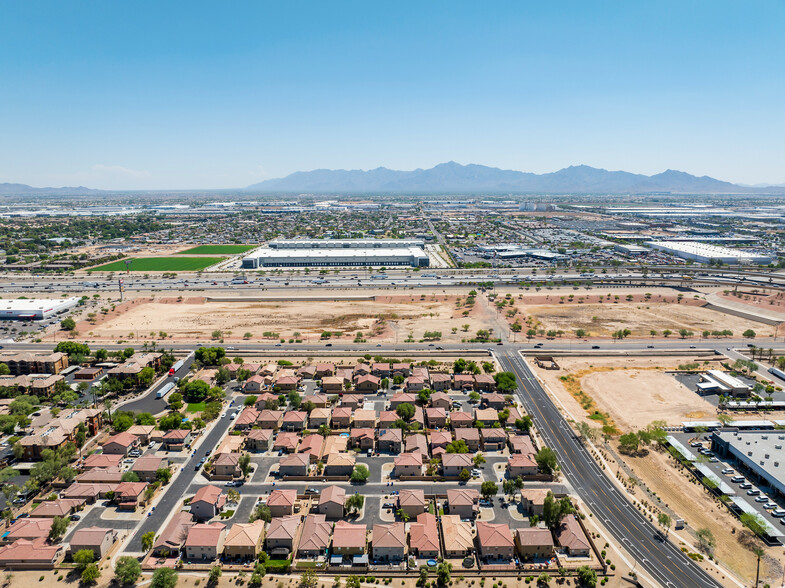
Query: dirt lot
point(682, 494)
point(387, 318)
point(640, 317)
point(632, 391)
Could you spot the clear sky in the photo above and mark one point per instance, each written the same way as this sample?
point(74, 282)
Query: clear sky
point(167, 95)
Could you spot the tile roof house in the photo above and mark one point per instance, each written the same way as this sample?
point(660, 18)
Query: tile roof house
point(120, 444)
point(339, 464)
point(331, 502)
point(332, 384)
point(493, 439)
point(484, 382)
point(281, 535)
point(254, 384)
point(176, 439)
point(362, 438)
point(352, 400)
point(571, 537)
point(227, 465)
point(142, 432)
point(341, 417)
point(487, 416)
point(129, 495)
point(387, 418)
point(440, 381)
point(435, 417)
point(440, 400)
point(205, 541)
point(97, 539)
point(534, 543)
point(463, 502)
point(294, 420)
point(286, 440)
point(364, 418)
point(270, 419)
point(319, 417)
point(172, 538)
point(100, 476)
point(408, 464)
point(367, 383)
point(315, 538)
point(349, 539)
point(470, 436)
point(207, 502)
point(454, 463)
point(335, 444)
point(101, 460)
point(522, 464)
point(324, 369)
point(415, 384)
point(244, 540)
point(361, 369)
point(463, 382)
point(281, 502)
point(388, 542)
point(522, 444)
point(390, 440)
point(382, 370)
point(29, 529)
point(401, 369)
point(312, 446)
point(147, 466)
point(296, 464)
point(424, 537)
point(417, 443)
point(412, 502)
point(533, 500)
point(494, 400)
point(457, 535)
point(246, 419)
point(31, 555)
point(259, 440)
point(439, 441)
point(402, 398)
point(87, 491)
point(495, 541)
point(461, 420)
point(62, 507)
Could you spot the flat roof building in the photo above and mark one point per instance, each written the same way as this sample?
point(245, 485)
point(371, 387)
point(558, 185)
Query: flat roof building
point(345, 243)
point(759, 452)
point(704, 253)
point(719, 381)
point(337, 257)
point(34, 309)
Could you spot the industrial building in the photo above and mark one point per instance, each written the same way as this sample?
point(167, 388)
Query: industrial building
point(342, 253)
point(345, 243)
point(34, 309)
point(704, 253)
point(630, 249)
point(759, 452)
point(716, 381)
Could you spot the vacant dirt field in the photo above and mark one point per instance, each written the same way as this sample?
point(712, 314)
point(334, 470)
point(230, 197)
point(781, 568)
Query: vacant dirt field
point(632, 392)
point(680, 493)
point(387, 318)
point(640, 317)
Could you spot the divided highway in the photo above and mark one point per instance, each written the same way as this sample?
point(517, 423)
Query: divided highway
point(660, 559)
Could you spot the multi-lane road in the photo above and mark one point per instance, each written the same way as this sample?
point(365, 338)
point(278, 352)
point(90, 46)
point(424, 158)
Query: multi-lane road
point(658, 558)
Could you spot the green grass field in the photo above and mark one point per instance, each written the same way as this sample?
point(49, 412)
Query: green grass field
point(217, 250)
point(161, 264)
point(195, 406)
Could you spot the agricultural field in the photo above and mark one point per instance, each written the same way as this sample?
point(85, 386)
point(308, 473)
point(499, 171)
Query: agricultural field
point(217, 250)
point(160, 264)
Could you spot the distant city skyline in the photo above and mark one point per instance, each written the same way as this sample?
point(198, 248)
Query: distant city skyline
point(205, 95)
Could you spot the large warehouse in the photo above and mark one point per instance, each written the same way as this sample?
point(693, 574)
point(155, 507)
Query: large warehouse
point(704, 253)
point(760, 452)
point(339, 253)
point(34, 309)
point(345, 243)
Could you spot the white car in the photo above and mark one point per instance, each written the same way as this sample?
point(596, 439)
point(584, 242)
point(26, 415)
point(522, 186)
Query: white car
point(223, 415)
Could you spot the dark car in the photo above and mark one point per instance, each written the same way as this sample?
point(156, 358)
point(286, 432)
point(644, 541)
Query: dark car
point(595, 346)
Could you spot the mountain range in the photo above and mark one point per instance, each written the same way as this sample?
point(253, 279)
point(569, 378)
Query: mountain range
point(23, 189)
point(455, 178)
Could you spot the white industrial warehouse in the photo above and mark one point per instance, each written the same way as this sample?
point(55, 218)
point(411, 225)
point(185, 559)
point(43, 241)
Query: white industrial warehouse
point(760, 452)
point(704, 253)
point(339, 253)
point(34, 309)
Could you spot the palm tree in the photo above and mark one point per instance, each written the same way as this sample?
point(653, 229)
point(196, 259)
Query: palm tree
point(758, 552)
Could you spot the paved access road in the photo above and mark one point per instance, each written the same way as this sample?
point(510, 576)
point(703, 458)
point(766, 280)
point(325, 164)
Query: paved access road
point(660, 559)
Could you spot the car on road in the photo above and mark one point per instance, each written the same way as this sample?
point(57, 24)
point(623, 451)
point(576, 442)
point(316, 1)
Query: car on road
point(778, 512)
point(595, 346)
point(311, 491)
point(223, 414)
point(737, 479)
point(745, 486)
point(692, 346)
point(770, 505)
point(762, 499)
point(650, 347)
point(727, 471)
point(753, 492)
point(329, 345)
point(75, 517)
point(378, 344)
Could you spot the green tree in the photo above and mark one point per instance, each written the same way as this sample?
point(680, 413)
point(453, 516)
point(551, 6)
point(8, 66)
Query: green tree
point(405, 411)
point(478, 460)
point(587, 577)
point(465, 475)
point(83, 558)
point(422, 581)
point(748, 334)
point(148, 539)
point(543, 580)
point(58, 529)
point(629, 443)
point(163, 475)
point(245, 463)
point(164, 578)
point(4, 369)
point(354, 503)
point(128, 570)
point(664, 521)
point(443, 571)
point(215, 574)
point(309, 579)
point(546, 460)
point(524, 423)
point(68, 324)
point(505, 381)
point(144, 418)
point(489, 489)
point(90, 574)
point(360, 474)
point(706, 540)
point(352, 582)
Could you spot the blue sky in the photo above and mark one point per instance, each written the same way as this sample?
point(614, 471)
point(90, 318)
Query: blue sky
point(168, 95)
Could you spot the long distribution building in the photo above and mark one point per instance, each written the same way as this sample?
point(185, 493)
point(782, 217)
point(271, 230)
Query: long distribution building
point(758, 452)
point(34, 309)
point(704, 253)
point(339, 253)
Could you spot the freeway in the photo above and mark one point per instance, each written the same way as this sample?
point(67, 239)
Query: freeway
point(659, 558)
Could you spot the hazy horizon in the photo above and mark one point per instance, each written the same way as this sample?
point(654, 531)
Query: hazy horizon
point(151, 96)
